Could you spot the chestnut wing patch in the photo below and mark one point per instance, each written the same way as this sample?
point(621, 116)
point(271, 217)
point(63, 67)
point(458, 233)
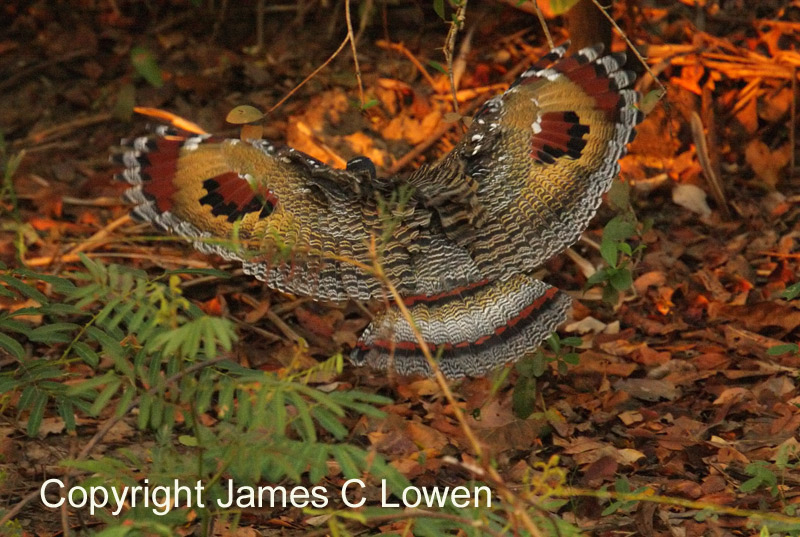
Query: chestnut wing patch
point(558, 134)
point(231, 195)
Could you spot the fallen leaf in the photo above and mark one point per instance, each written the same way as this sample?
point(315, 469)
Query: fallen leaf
point(766, 163)
point(691, 197)
point(648, 389)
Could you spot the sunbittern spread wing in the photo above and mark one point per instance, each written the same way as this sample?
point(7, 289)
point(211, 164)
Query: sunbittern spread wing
point(458, 238)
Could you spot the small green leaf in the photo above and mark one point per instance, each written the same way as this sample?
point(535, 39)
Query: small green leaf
point(621, 279)
point(105, 396)
point(438, 66)
point(67, 413)
point(438, 7)
point(53, 333)
point(786, 348)
point(523, 400)
point(618, 229)
point(369, 104)
point(650, 100)
point(559, 7)
point(125, 103)
point(110, 345)
point(27, 290)
point(117, 531)
point(37, 413)
point(244, 114)
point(611, 509)
point(145, 64)
point(619, 195)
point(608, 249)
point(540, 362)
point(791, 292)
point(12, 346)
point(610, 295)
point(598, 277)
point(186, 440)
point(221, 274)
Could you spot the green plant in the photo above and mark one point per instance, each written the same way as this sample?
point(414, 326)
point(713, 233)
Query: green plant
point(790, 293)
point(537, 364)
point(145, 64)
point(125, 342)
point(618, 254)
point(8, 194)
point(771, 477)
point(621, 486)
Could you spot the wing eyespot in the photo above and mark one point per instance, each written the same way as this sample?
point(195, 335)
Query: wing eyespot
point(232, 196)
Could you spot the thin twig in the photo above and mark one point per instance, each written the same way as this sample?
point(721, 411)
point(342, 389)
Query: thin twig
point(19, 506)
point(460, 63)
point(99, 237)
point(275, 319)
point(366, 10)
point(518, 508)
point(220, 19)
point(352, 39)
point(269, 336)
point(377, 269)
point(65, 128)
point(310, 76)
point(27, 71)
point(630, 45)
point(792, 124)
point(704, 157)
point(450, 43)
point(102, 201)
point(259, 26)
point(183, 261)
point(401, 48)
point(543, 23)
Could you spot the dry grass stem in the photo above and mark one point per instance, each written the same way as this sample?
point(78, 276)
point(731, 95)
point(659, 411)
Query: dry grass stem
point(311, 75)
point(401, 48)
point(352, 39)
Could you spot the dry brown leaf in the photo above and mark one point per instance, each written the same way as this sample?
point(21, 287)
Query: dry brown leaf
point(758, 316)
point(732, 396)
point(691, 197)
point(649, 389)
point(502, 430)
point(426, 437)
point(767, 163)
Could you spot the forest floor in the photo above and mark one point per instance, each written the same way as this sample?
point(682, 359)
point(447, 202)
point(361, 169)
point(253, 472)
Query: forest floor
point(686, 382)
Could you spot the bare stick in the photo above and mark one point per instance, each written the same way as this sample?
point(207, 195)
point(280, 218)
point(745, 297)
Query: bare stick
point(632, 47)
point(450, 43)
point(704, 157)
point(312, 75)
point(401, 48)
point(352, 39)
point(543, 22)
point(792, 124)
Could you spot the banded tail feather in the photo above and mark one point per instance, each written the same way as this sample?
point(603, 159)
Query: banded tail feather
point(469, 330)
point(520, 187)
